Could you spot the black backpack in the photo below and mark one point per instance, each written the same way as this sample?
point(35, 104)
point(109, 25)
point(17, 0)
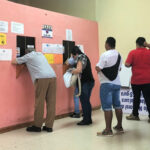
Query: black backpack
point(112, 72)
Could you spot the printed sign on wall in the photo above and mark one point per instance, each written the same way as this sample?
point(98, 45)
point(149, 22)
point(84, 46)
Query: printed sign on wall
point(58, 59)
point(81, 48)
point(68, 34)
point(2, 39)
point(52, 48)
point(50, 58)
point(3, 27)
point(47, 31)
point(17, 28)
point(5, 54)
point(54, 58)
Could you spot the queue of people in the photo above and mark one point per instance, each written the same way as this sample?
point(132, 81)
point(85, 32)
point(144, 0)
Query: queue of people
point(108, 67)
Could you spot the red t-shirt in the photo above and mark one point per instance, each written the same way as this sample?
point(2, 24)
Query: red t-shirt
point(140, 63)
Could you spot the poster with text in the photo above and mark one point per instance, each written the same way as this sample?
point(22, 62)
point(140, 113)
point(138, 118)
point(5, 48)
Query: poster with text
point(3, 39)
point(126, 97)
point(47, 31)
point(17, 27)
point(3, 27)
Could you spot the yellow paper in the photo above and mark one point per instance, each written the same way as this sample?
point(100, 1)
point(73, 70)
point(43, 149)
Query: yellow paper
point(50, 58)
point(2, 39)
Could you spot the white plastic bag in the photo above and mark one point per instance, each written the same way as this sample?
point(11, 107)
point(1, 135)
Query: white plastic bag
point(70, 80)
point(67, 79)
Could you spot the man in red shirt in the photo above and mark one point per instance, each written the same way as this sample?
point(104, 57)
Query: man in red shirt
point(139, 60)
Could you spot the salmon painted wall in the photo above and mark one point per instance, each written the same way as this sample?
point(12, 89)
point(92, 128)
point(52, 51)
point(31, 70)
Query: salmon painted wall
point(17, 95)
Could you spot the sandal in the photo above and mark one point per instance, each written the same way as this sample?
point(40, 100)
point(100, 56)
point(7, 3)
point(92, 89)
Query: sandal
point(118, 129)
point(105, 133)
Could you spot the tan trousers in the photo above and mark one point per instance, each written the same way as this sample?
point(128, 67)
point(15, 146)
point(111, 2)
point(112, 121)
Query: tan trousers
point(45, 89)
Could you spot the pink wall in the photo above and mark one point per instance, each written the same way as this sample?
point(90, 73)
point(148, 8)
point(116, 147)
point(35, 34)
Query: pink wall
point(17, 95)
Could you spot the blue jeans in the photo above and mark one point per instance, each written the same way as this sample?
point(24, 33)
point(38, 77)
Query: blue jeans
point(86, 89)
point(76, 101)
point(110, 96)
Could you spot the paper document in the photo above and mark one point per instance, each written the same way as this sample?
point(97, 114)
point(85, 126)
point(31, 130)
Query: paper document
point(68, 34)
point(50, 58)
point(5, 54)
point(3, 27)
point(52, 48)
point(17, 28)
point(3, 39)
point(81, 48)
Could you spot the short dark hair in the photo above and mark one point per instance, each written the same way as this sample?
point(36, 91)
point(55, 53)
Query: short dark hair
point(75, 50)
point(111, 42)
point(140, 41)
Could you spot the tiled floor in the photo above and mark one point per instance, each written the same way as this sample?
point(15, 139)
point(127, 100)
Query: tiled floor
point(68, 136)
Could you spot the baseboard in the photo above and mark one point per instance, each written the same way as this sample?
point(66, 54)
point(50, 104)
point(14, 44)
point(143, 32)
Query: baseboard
point(22, 125)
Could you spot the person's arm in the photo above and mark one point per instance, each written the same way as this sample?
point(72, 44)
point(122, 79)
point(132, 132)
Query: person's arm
point(100, 64)
point(128, 65)
point(129, 60)
point(21, 60)
point(147, 45)
point(120, 66)
point(97, 69)
point(14, 62)
point(78, 69)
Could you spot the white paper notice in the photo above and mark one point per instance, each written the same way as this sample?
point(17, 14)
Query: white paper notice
point(17, 28)
point(5, 54)
point(69, 34)
point(81, 48)
point(3, 27)
point(47, 31)
point(52, 48)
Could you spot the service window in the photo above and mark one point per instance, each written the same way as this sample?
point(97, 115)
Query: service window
point(68, 45)
point(24, 42)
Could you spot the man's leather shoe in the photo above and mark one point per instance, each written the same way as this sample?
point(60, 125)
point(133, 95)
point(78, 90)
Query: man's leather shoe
point(82, 123)
point(47, 129)
point(33, 129)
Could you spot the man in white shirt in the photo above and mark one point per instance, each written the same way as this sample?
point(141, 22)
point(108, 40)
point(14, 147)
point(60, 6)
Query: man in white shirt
point(44, 80)
point(110, 87)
